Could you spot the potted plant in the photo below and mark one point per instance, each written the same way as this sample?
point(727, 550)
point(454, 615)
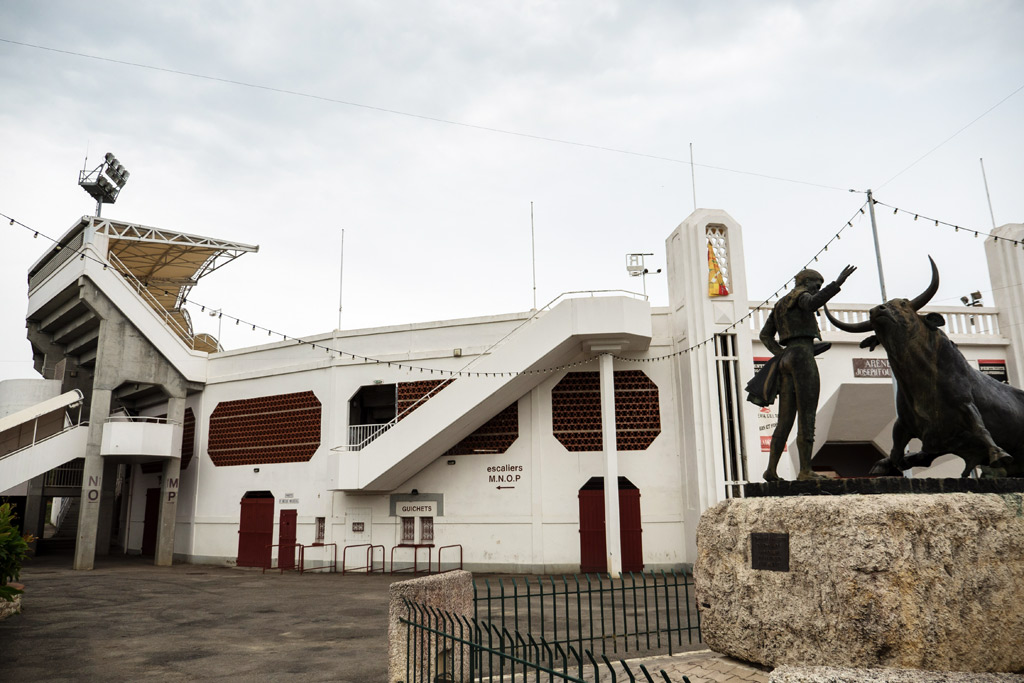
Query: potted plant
point(13, 551)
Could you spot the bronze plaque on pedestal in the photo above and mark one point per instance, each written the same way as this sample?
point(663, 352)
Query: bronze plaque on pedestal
point(769, 551)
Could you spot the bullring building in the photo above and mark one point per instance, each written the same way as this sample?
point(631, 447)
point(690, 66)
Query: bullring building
point(586, 436)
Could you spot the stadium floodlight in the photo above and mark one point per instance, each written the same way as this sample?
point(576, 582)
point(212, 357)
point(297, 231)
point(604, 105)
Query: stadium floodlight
point(104, 182)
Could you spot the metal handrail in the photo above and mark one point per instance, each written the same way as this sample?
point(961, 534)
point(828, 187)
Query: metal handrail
point(36, 442)
point(270, 556)
point(65, 505)
point(64, 253)
point(333, 567)
point(415, 568)
point(443, 548)
point(534, 316)
point(141, 418)
point(369, 558)
point(153, 302)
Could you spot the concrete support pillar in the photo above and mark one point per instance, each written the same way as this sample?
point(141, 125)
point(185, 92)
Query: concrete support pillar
point(92, 482)
point(169, 491)
point(106, 519)
point(35, 510)
point(612, 534)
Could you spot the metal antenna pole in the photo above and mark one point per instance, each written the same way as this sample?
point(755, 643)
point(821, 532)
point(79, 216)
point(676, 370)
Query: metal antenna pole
point(693, 179)
point(341, 276)
point(987, 196)
point(878, 251)
point(533, 257)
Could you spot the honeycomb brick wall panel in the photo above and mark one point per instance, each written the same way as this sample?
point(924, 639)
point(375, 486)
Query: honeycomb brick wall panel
point(576, 411)
point(265, 430)
point(408, 393)
point(188, 444)
point(495, 436)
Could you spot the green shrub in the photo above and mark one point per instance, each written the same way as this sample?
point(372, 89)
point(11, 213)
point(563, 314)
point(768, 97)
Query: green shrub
point(13, 550)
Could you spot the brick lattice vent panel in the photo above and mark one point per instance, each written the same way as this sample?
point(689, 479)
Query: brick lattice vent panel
point(265, 430)
point(576, 411)
point(411, 392)
point(495, 436)
point(188, 445)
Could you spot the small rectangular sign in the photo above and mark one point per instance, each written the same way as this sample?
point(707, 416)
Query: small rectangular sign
point(996, 369)
point(357, 527)
point(871, 367)
point(407, 508)
point(769, 551)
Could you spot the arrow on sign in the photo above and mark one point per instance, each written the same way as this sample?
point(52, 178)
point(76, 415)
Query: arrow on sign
point(504, 487)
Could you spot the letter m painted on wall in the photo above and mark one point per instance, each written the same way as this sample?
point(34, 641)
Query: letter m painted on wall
point(172, 482)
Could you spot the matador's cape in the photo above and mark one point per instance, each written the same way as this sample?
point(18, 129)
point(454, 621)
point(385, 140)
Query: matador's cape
point(763, 389)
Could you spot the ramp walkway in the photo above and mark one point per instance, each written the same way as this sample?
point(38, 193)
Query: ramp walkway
point(39, 438)
point(493, 381)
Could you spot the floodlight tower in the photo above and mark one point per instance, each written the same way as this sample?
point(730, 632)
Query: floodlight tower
point(104, 182)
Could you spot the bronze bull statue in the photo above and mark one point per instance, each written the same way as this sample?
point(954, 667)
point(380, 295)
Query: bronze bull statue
point(941, 399)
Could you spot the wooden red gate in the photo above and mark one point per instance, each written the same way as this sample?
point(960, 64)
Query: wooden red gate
point(593, 550)
point(286, 539)
point(256, 529)
point(151, 522)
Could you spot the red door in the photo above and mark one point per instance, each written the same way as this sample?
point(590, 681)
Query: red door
point(286, 539)
point(593, 550)
point(255, 531)
point(151, 522)
point(630, 533)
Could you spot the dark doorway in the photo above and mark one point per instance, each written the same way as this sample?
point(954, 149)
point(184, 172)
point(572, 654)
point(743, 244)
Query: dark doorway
point(593, 551)
point(256, 529)
point(847, 459)
point(286, 540)
point(372, 404)
point(151, 522)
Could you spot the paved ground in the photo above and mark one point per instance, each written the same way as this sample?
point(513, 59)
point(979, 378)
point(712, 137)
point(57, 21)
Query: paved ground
point(703, 666)
point(128, 620)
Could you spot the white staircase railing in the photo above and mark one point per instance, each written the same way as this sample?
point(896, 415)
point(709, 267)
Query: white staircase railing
point(360, 438)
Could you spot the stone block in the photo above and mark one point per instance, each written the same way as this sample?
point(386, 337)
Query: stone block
point(832, 674)
point(9, 608)
point(932, 582)
point(451, 592)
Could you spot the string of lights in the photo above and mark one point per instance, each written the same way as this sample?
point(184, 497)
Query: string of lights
point(956, 228)
point(440, 372)
point(761, 306)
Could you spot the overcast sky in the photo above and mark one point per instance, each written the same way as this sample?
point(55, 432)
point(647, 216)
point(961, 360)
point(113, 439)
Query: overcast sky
point(828, 95)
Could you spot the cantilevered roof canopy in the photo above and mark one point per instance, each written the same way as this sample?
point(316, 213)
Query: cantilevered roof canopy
point(167, 263)
point(163, 265)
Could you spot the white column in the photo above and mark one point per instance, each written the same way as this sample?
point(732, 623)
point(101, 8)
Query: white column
point(612, 534)
point(169, 485)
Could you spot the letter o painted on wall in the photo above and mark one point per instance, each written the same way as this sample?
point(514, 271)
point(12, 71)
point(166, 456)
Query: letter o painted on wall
point(93, 495)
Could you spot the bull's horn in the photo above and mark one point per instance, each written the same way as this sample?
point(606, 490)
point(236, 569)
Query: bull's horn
point(856, 328)
point(924, 297)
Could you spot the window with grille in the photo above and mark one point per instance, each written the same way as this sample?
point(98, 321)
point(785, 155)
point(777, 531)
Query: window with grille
point(321, 524)
point(426, 529)
point(408, 529)
point(716, 235)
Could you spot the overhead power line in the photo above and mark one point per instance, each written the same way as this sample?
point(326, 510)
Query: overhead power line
point(423, 117)
point(961, 130)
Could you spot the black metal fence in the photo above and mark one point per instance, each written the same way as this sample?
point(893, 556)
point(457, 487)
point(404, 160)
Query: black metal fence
point(649, 612)
point(442, 647)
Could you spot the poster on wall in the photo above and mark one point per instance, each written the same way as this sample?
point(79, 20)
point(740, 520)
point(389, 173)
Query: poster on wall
point(768, 416)
point(996, 369)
